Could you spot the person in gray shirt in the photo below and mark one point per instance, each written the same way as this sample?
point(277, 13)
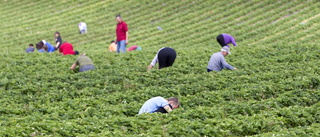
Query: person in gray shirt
point(217, 61)
point(30, 49)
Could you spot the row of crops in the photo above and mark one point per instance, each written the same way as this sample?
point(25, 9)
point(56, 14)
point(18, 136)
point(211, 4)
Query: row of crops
point(274, 92)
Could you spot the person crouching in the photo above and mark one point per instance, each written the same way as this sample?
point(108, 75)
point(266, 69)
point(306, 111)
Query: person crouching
point(67, 49)
point(84, 62)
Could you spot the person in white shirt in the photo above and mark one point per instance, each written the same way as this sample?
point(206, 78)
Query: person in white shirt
point(82, 27)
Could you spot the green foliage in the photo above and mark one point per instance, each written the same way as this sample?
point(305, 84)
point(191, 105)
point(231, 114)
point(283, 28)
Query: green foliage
point(274, 92)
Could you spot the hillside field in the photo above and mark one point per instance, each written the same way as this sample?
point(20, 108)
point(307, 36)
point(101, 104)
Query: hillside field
point(274, 92)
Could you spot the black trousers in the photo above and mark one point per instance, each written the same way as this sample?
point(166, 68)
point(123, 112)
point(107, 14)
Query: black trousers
point(166, 57)
point(220, 40)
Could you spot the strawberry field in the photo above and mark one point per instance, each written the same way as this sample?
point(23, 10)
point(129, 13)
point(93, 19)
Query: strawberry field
point(274, 92)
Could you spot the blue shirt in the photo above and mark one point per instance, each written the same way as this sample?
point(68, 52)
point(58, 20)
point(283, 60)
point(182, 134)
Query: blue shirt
point(50, 47)
point(41, 50)
point(217, 62)
point(153, 104)
point(30, 49)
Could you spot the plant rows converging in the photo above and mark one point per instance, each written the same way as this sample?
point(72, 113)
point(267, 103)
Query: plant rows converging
point(274, 92)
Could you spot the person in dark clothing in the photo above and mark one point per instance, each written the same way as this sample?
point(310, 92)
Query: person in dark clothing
point(58, 40)
point(162, 110)
point(165, 56)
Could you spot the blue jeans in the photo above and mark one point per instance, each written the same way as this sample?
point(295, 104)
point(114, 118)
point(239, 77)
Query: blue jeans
point(121, 45)
point(86, 68)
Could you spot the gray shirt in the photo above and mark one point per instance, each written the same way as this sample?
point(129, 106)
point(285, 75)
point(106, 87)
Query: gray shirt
point(217, 62)
point(30, 49)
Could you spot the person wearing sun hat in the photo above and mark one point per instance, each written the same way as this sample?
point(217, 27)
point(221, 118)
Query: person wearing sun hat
point(217, 61)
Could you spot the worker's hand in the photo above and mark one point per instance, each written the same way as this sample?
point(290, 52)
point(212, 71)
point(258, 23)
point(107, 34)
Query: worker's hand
point(234, 68)
point(150, 67)
point(71, 68)
point(127, 41)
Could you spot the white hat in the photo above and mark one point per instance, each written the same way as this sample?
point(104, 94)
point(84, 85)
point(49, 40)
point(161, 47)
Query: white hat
point(44, 42)
point(226, 49)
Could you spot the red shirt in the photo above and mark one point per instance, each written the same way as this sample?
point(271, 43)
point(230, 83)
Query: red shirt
point(121, 30)
point(66, 48)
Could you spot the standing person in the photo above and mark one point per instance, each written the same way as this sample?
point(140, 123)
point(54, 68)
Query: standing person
point(113, 46)
point(47, 46)
point(58, 40)
point(225, 39)
point(67, 49)
point(165, 57)
point(82, 27)
point(30, 49)
point(217, 61)
point(155, 103)
point(122, 34)
point(84, 62)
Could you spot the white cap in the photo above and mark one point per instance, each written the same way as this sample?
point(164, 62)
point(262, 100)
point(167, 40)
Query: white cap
point(226, 49)
point(44, 42)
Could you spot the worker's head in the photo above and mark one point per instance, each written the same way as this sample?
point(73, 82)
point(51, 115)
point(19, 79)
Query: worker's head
point(225, 51)
point(174, 102)
point(56, 34)
point(119, 18)
point(39, 45)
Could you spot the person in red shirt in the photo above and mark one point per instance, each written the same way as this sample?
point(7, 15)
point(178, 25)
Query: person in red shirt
point(122, 34)
point(67, 49)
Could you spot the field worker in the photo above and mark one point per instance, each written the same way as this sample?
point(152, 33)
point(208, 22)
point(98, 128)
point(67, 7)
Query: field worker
point(122, 34)
point(40, 47)
point(30, 49)
point(225, 39)
point(84, 62)
point(113, 46)
point(58, 40)
point(217, 61)
point(47, 46)
point(165, 57)
point(135, 47)
point(82, 27)
point(67, 49)
point(155, 103)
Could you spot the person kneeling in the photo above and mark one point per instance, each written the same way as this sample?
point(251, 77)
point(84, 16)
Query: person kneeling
point(67, 49)
point(84, 62)
point(156, 104)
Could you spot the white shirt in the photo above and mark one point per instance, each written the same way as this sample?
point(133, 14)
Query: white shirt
point(155, 59)
point(82, 26)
